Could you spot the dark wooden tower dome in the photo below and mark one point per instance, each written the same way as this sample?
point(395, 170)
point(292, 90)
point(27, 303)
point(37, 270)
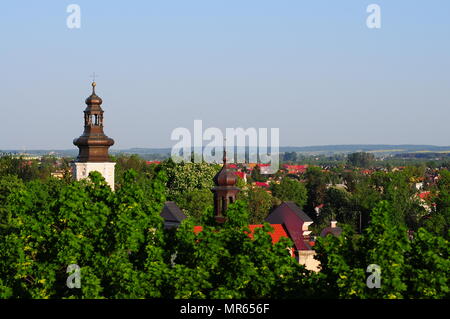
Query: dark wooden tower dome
point(93, 143)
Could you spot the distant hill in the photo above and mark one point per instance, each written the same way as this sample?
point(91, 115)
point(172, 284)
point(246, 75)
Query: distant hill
point(379, 150)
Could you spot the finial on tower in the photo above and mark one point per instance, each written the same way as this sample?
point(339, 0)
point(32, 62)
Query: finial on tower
point(93, 76)
point(224, 151)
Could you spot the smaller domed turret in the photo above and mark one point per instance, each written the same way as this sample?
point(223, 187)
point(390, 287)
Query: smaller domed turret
point(225, 190)
point(225, 177)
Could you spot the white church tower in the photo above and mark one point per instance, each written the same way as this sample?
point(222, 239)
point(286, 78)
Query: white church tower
point(93, 144)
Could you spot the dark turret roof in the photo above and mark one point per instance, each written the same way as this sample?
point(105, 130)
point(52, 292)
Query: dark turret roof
point(225, 177)
point(172, 213)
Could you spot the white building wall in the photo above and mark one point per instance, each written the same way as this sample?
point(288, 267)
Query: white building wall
point(306, 258)
point(81, 170)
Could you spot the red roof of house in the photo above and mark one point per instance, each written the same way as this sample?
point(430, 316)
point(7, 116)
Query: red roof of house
point(293, 218)
point(153, 162)
point(250, 166)
point(261, 184)
point(198, 229)
point(424, 195)
point(240, 174)
point(295, 168)
point(232, 166)
point(276, 234)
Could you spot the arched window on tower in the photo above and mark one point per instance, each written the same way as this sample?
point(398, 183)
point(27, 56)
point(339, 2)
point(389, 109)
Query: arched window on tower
point(224, 205)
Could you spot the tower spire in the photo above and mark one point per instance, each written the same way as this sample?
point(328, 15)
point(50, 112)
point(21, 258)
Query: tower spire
point(93, 76)
point(93, 144)
point(224, 151)
point(225, 190)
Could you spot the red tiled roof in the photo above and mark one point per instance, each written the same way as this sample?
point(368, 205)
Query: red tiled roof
point(251, 165)
point(198, 229)
point(424, 195)
point(240, 174)
point(232, 166)
point(293, 218)
point(276, 234)
point(153, 162)
point(261, 184)
point(295, 168)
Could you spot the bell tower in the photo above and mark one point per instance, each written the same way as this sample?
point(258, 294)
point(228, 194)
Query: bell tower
point(93, 144)
point(225, 190)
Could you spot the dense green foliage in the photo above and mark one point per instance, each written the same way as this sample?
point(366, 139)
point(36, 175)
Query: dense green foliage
point(119, 242)
point(409, 268)
point(259, 202)
point(290, 190)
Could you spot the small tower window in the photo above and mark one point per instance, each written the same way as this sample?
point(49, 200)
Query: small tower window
point(224, 205)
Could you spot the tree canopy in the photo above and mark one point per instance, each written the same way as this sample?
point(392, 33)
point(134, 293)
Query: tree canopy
point(123, 251)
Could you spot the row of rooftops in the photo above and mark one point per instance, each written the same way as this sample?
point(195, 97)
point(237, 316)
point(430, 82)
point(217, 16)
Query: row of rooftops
point(287, 220)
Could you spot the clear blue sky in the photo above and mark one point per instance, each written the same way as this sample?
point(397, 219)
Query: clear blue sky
point(311, 68)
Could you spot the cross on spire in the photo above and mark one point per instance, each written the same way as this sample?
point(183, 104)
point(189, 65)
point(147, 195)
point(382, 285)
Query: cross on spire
point(93, 76)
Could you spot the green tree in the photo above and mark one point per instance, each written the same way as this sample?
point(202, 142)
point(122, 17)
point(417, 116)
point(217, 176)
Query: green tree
point(316, 185)
point(438, 221)
point(226, 263)
point(337, 206)
point(290, 190)
point(194, 202)
point(186, 177)
point(289, 157)
point(259, 201)
point(256, 175)
point(344, 259)
point(428, 266)
point(361, 159)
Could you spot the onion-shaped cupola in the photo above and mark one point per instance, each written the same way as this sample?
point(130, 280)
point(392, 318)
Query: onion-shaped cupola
point(225, 190)
point(225, 177)
point(93, 144)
